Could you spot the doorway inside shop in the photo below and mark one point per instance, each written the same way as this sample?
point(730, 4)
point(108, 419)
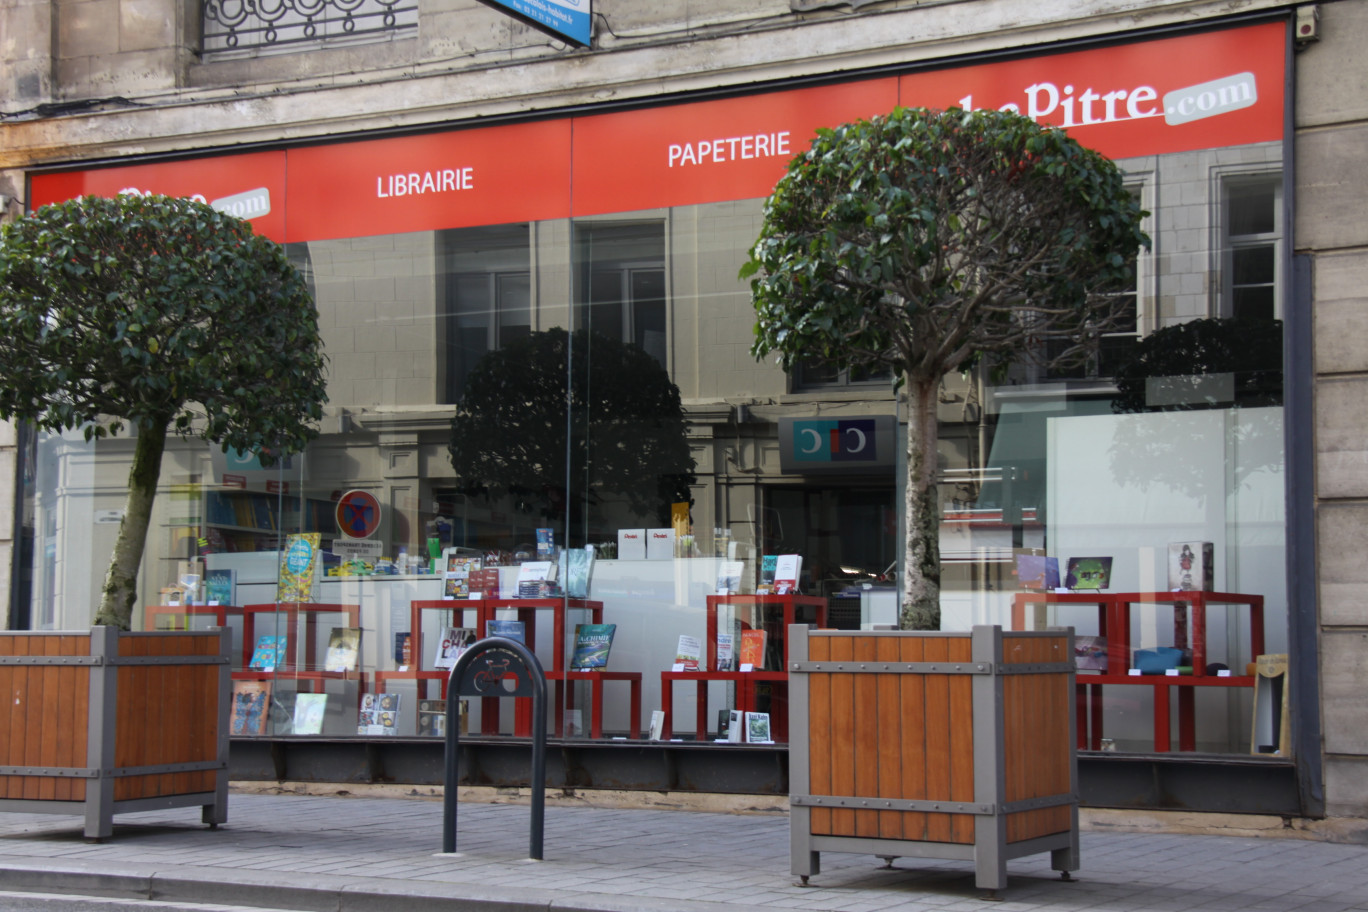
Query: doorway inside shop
point(847, 536)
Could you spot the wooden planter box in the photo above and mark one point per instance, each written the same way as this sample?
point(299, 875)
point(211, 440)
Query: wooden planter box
point(102, 722)
point(939, 745)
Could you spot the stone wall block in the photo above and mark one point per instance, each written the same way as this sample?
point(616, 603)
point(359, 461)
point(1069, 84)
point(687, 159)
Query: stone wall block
point(1341, 440)
point(1331, 192)
point(1341, 530)
point(1341, 312)
point(1344, 668)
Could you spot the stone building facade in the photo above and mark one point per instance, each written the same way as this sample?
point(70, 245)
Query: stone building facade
point(93, 84)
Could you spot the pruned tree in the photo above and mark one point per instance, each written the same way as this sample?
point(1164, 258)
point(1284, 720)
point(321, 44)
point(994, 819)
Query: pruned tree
point(925, 241)
point(155, 315)
point(627, 432)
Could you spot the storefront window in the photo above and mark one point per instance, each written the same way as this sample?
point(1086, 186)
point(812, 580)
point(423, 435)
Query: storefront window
point(543, 410)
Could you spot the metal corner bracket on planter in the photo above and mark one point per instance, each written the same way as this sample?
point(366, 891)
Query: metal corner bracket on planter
point(100, 722)
point(950, 745)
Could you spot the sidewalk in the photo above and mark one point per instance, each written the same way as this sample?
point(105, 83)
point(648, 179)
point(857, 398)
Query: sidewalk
point(358, 854)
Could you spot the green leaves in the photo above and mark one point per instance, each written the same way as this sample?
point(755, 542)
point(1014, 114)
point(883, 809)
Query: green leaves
point(141, 307)
point(899, 241)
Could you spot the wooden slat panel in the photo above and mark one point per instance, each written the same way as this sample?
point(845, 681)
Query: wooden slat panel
point(7, 690)
point(842, 736)
point(938, 827)
point(819, 734)
point(866, 735)
point(68, 739)
point(913, 729)
point(131, 715)
point(32, 721)
point(961, 740)
point(51, 722)
point(889, 724)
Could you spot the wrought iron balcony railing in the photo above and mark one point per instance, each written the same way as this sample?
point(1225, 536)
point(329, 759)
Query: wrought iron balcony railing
point(238, 25)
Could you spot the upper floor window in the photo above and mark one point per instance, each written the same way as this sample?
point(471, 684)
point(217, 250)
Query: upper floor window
point(1250, 246)
point(240, 25)
point(813, 374)
point(622, 288)
point(487, 292)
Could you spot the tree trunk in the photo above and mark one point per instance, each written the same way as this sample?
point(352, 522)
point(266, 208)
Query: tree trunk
point(121, 581)
point(921, 571)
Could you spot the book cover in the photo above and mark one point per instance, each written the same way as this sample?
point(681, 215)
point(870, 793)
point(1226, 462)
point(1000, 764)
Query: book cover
point(546, 544)
point(1090, 653)
point(758, 728)
point(1037, 571)
point(631, 544)
point(309, 710)
point(592, 643)
point(736, 726)
point(456, 587)
point(403, 649)
point(298, 563)
point(1088, 573)
point(344, 648)
point(660, 544)
point(729, 576)
point(450, 645)
point(251, 706)
point(269, 652)
point(769, 564)
point(484, 583)
point(378, 715)
point(509, 630)
point(786, 570)
point(753, 650)
point(723, 723)
point(458, 564)
point(1191, 566)
point(432, 718)
point(219, 587)
point(576, 566)
point(726, 652)
point(657, 729)
point(688, 653)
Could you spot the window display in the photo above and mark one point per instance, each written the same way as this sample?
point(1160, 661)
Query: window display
point(543, 400)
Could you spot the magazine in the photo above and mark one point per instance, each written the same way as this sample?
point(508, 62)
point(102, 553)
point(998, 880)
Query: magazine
point(729, 576)
point(453, 642)
point(688, 654)
point(379, 714)
point(251, 706)
point(218, 587)
point(576, 566)
point(269, 652)
point(758, 728)
point(298, 563)
point(344, 648)
point(432, 718)
point(592, 642)
point(309, 710)
point(753, 650)
point(511, 630)
point(786, 571)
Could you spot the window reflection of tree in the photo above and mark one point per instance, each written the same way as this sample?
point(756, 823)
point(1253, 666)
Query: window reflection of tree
point(1217, 363)
point(627, 448)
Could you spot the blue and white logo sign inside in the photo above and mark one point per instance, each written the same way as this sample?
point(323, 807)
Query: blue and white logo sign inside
point(570, 18)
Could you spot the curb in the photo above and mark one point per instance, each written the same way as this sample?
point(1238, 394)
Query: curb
point(313, 893)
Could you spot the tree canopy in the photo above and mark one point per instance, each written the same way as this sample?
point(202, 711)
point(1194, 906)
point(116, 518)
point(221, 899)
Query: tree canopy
point(927, 241)
point(159, 315)
point(626, 424)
